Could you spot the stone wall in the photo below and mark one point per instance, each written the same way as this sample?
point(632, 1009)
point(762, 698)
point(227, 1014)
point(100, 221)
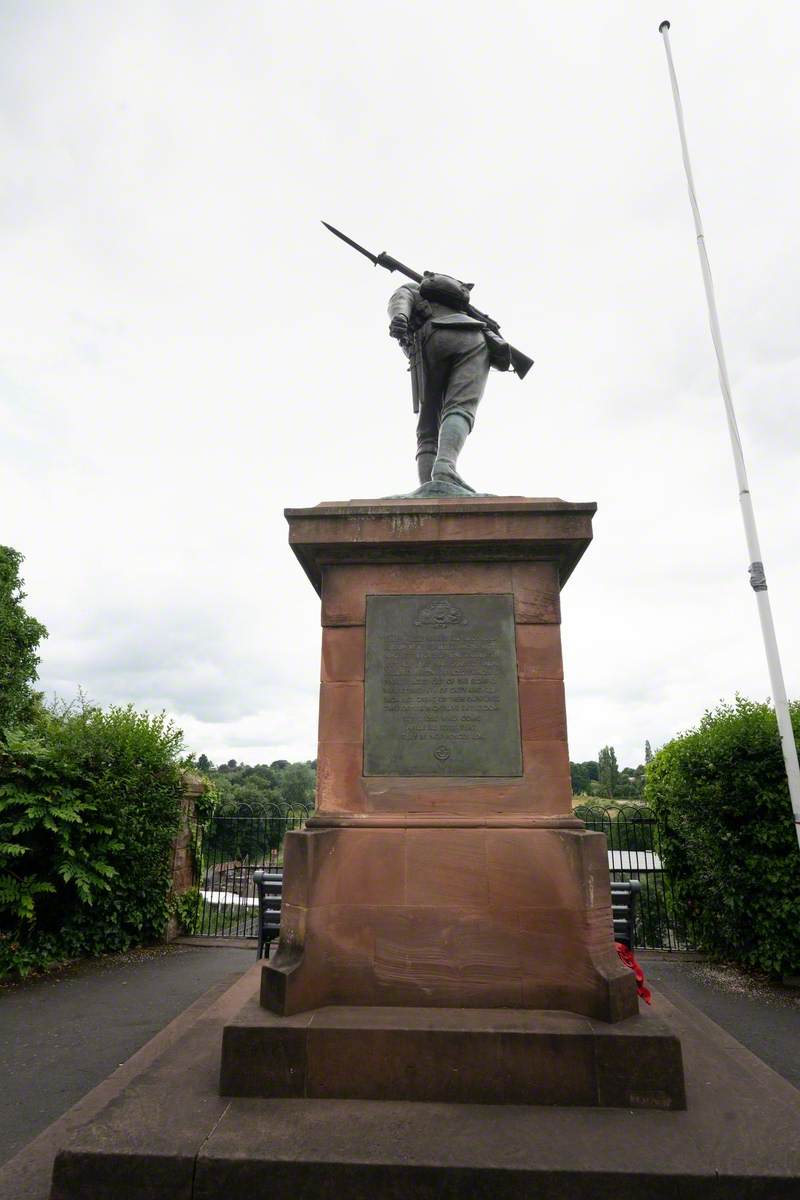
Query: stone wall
point(183, 876)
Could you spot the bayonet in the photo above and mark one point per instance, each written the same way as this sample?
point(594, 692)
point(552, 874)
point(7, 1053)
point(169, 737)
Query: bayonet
point(378, 260)
point(519, 361)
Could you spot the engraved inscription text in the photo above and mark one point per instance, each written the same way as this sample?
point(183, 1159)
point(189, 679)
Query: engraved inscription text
point(441, 686)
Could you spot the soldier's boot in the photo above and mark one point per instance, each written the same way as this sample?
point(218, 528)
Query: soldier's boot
point(452, 435)
point(425, 461)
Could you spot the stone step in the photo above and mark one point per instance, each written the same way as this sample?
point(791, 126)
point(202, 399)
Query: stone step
point(461, 1055)
point(170, 1136)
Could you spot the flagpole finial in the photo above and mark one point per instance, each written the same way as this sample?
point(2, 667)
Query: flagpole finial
point(664, 25)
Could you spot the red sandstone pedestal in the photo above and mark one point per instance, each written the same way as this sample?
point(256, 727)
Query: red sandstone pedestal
point(444, 890)
point(439, 890)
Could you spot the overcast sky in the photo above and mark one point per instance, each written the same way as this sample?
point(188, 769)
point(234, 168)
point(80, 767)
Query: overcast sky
point(186, 351)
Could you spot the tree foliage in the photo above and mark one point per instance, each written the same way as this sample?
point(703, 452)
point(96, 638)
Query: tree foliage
point(20, 635)
point(721, 798)
point(583, 775)
point(608, 770)
point(274, 794)
point(279, 788)
point(603, 779)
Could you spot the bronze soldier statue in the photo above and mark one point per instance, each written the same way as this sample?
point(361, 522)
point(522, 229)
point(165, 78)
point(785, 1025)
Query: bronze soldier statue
point(451, 345)
point(450, 361)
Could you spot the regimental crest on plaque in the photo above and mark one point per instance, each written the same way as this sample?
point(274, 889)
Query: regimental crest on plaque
point(440, 612)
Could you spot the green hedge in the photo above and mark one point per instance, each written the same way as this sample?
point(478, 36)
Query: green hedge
point(89, 806)
point(727, 835)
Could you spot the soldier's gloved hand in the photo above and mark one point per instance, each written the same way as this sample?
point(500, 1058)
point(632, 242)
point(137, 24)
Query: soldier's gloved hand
point(399, 328)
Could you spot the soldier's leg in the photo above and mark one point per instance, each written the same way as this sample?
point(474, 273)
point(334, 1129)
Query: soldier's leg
point(434, 375)
point(427, 441)
point(425, 461)
point(465, 386)
point(452, 435)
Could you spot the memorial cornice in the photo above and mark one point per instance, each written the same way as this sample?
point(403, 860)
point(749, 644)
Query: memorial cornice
point(479, 529)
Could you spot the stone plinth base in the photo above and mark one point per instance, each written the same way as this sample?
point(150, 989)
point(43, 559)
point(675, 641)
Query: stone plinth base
point(166, 1134)
point(478, 915)
point(467, 1056)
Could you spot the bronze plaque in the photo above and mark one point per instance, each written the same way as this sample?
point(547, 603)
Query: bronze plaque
point(441, 694)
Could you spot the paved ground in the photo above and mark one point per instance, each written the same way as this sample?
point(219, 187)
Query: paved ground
point(161, 1113)
point(764, 1017)
point(63, 1034)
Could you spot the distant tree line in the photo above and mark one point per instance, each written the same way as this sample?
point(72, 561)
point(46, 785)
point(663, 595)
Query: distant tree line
point(280, 788)
point(603, 778)
point(279, 794)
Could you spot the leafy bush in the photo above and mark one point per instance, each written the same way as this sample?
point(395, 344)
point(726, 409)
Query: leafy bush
point(89, 806)
point(727, 835)
point(187, 908)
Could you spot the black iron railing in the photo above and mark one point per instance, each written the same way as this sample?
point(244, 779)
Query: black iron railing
point(634, 852)
point(227, 852)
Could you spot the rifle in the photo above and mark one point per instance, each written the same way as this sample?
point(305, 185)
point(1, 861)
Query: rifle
point(519, 361)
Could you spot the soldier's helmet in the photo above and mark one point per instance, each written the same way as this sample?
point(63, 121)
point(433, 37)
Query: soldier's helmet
point(445, 289)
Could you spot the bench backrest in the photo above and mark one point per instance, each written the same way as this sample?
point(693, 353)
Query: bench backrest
point(624, 895)
point(270, 897)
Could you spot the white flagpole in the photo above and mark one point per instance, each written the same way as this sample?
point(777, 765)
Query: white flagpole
point(758, 580)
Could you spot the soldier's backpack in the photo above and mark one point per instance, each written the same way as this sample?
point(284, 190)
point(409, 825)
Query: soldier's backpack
point(444, 289)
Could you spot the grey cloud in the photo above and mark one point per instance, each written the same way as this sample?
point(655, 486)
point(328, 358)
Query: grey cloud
point(178, 335)
point(188, 660)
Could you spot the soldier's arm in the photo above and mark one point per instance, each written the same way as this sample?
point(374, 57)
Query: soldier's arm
point(401, 305)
